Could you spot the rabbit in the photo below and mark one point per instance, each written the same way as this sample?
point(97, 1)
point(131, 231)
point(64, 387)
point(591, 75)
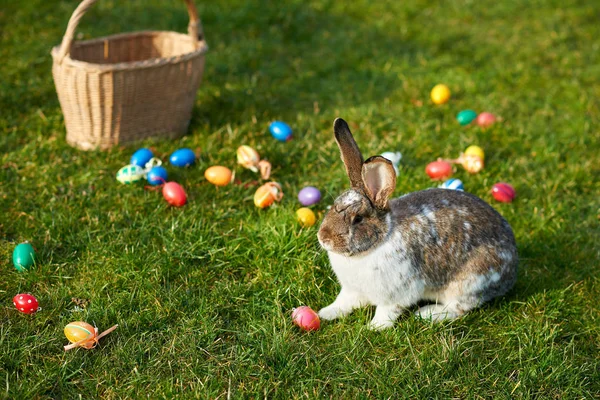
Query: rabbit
point(441, 246)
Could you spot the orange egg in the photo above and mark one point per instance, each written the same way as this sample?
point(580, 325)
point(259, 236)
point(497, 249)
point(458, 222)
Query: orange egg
point(267, 194)
point(218, 175)
point(77, 331)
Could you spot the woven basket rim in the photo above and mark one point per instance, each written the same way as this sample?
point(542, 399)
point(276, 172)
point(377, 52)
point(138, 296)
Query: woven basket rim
point(133, 65)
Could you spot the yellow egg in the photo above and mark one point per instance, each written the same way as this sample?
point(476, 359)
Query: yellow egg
point(472, 163)
point(440, 94)
point(475, 151)
point(306, 217)
point(218, 175)
point(76, 331)
point(267, 194)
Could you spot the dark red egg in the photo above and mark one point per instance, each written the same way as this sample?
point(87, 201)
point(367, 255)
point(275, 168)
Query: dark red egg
point(174, 194)
point(439, 170)
point(26, 303)
point(503, 192)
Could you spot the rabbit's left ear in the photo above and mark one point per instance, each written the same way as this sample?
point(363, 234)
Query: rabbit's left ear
point(379, 178)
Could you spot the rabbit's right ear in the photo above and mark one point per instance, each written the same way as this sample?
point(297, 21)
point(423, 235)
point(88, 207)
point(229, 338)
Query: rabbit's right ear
point(351, 155)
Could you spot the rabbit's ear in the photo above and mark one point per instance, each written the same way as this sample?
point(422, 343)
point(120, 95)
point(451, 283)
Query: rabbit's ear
point(379, 180)
point(351, 155)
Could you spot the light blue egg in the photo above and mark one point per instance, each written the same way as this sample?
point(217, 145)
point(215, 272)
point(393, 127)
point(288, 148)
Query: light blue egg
point(141, 157)
point(280, 131)
point(157, 176)
point(182, 158)
point(455, 184)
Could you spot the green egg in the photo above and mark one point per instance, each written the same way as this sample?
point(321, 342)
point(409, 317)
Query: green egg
point(23, 256)
point(465, 117)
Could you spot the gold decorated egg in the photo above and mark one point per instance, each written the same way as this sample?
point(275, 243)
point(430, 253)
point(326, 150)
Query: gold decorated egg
point(475, 151)
point(267, 194)
point(218, 175)
point(306, 217)
point(78, 331)
point(248, 158)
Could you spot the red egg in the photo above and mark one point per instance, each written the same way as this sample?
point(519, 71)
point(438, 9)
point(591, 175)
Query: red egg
point(306, 318)
point(485, 119)
point(503, 192)
point(174, 194)
point(26, 303)
point(439, 170)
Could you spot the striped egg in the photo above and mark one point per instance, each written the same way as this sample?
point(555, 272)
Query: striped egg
point(79, 330)
point(454, 184)
point(130, 173)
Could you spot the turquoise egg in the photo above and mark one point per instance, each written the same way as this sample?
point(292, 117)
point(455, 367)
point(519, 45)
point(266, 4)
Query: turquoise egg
point(23, 257)
point(465, 117)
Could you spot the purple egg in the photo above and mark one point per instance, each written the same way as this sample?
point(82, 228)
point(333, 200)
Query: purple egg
point(309, 195)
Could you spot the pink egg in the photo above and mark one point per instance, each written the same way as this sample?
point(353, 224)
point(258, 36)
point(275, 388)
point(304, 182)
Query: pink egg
point(306, 318)
point(503, 192)
point(485, 119)
point(174, 194)
point(439, 170)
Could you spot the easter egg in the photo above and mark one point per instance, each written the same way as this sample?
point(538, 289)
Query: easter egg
point(23, 256)
point(141, 157)
point(267, 194)
point(265, 169)
point(78, 331)
point(182, 158)
point(306, 217)
point(280, 131)
point(503, 192)
point(306, 318)
point(475, 151)
point(218, 175)
point(472, 163)
point(157, 176)
point(465, 117)
point(174, 194)
point(439, 169)
point(248, 158)
point(440, 94)
point(26, 303)
point(485, 119)
point(454, 184)
point(309, 195)
point(130, 173)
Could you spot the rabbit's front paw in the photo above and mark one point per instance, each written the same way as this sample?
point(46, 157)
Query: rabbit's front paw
point(331, 312)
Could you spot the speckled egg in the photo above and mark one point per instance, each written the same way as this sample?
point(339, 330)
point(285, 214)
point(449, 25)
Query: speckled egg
point(26, 303)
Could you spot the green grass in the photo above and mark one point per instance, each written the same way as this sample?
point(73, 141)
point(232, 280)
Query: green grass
point(203, 294)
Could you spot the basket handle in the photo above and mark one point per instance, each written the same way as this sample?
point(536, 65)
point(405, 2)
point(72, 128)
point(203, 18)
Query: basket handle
point(194, 27)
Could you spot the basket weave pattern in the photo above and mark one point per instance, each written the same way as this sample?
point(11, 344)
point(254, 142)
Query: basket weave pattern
point(127, 87)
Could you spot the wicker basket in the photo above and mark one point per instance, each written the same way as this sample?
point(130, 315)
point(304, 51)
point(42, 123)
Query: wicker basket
point(122, 88)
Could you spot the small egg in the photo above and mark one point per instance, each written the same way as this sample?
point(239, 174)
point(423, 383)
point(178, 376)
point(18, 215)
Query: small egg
point(218, 175)
point(503, 192)
point(26, 303)
point(306, 217)
point(465, 117)
point(306, 318)
point(309, 195)
point(130, 173)
point(440, 94)
point(265, 169)
point(439, 169)
point(157, 176)
point(78, 331)
point(454, 184)
point(182, 158)
point(485, 119)
point(141, 157)
point(248, 158)
point(280, 131)
point(476, 151)
point(267, 194)
point(471, 163)
point(23, 256)
point(174, 194)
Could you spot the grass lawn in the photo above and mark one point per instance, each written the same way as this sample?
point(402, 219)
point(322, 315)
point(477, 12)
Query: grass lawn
point(203, 293)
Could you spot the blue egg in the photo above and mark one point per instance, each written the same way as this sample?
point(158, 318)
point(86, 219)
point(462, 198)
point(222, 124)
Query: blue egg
point(157, 176)
point(182, 158)
point(280, 131)
point(141, 157)
point(455, 184)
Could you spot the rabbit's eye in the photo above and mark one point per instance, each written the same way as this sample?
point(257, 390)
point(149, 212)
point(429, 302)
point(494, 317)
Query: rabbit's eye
point(357, 220)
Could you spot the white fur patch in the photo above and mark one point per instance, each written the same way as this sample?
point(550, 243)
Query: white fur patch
point(350, 198)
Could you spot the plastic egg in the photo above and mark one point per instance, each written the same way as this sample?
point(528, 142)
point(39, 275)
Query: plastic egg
point(182, 158)
point(174, 194)
point(218, 175)
point(23, 256)
point(439, 169)
point(267, 194)
point(306, 217)
point(472, 163)
point(130, 173)
point(475, 151)
point(454, 184)
point(306, 318)
point(465, 117)
point(485, 119)
point(26, 303)
point(440, 94)
point(248, 158)
point(141, 157)
point(503, 192)
point(78, 331)
point(280, 131)
point(157, 176)
point(309, 195)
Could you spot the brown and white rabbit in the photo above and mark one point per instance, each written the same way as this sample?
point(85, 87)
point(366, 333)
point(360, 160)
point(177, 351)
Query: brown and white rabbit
point(442, 246)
